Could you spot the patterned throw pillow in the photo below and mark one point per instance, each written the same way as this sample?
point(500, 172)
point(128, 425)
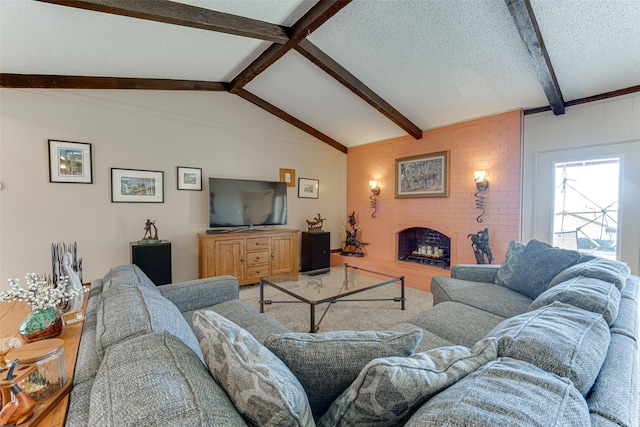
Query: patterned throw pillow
point(260, 385)
point(327, 363)
point(512, 258)
point(389, 390)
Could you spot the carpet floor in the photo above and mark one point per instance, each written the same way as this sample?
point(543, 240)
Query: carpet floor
point(343, 315)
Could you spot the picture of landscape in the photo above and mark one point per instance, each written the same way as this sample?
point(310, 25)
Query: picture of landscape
point(133, 186)
point(190, 178)
point(423, 176)
point(70, 162)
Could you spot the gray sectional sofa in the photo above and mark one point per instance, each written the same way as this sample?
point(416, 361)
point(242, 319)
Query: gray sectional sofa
point(547, 338)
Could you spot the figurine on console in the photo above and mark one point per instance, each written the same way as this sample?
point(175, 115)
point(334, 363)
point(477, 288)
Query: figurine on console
point(315, 225)
point(150, 237)
point(351, 246)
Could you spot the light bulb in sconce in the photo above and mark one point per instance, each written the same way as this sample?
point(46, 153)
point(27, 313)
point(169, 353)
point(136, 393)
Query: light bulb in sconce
point(479, 175)
point(375, 190)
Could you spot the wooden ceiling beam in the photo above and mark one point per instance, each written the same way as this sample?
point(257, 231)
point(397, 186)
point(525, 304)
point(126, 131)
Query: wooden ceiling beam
point(594, 98)
point(255, 100)
point(311, 21)
point(527, 25)
point(42, 81)
point(351, 82)
point(185, 15)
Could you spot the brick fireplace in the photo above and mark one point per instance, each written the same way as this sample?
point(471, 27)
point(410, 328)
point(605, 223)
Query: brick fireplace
point(424, 246)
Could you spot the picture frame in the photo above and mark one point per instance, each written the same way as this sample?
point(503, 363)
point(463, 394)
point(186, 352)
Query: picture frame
point(288, 176)
point(426, 175)
point(137, 186)
point(70, 162)
point(308, 188)
point(189, 178)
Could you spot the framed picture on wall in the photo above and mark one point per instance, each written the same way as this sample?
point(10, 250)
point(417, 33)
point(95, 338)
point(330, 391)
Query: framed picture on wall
point(189, 178)
point(70, 162)
point(137, 186)
point(426, 175)
point(308, 188)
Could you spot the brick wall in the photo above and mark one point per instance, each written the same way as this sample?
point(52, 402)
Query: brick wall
point(491, 143)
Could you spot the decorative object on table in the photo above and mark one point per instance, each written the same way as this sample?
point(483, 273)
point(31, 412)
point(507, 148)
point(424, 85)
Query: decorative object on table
point(482, 185)
point(6, 345)
point(44, 296)
point(315, 225)
point(480, 245)
point(375, 191)
point(308, 188)
point(148, 235)
point(288, 176)
point(137, 186)
point(189, 178)
point(351, 246)
point(426, 175)
point(65, 262)
point(21, 407)
point(50, 372)
point(70, 162)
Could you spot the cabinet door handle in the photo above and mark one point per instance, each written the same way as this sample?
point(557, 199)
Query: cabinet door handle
point(241, 259)
point(273, 254)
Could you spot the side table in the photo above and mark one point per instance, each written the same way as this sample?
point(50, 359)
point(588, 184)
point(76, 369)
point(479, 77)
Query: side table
point(10, 317)
point(154, 259)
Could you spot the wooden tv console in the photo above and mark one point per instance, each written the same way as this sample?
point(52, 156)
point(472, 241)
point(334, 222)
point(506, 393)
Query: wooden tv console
point(249, 255)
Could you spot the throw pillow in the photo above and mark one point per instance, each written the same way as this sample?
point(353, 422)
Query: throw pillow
point(390, 390)
point(260, 385)
point(327, 363)
point(511, 259)
point(594, 295)
point(538, 264)
point(559, 338)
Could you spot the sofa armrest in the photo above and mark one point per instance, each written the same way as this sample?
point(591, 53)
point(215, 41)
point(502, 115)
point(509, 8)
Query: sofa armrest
point(200, 293)
point(475, 272)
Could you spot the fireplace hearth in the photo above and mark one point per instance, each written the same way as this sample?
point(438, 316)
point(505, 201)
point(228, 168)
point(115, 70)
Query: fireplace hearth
point(424, 246)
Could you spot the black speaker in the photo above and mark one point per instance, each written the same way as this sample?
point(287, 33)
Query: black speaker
point(154, 259)
point(315, 251)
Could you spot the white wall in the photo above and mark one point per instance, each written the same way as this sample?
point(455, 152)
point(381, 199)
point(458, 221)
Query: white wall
point(218, 132)
point(611, 126)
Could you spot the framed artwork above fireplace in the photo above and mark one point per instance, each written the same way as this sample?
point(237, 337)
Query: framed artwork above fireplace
point(426, 175)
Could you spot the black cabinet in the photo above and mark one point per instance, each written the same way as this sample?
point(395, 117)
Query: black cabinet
point(315, 251)
point(154, 259)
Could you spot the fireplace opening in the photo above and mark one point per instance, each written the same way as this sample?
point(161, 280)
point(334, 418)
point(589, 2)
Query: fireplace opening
point(424, 246)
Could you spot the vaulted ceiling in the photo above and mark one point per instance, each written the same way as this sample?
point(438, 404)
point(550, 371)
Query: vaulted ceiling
point(347, 72)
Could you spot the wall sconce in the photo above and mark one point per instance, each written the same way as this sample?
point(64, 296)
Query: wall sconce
point(481, 184)
point(375, 190)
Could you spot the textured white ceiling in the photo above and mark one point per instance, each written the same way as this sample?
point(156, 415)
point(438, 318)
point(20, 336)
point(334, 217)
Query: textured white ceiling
point(436, 61)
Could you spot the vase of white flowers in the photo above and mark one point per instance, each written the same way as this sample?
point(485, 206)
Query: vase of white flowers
point(44, 321)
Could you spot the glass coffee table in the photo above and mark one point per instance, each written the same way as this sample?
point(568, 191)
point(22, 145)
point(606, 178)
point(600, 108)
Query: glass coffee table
point(329, 286)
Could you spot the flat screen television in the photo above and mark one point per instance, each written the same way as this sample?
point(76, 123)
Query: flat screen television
point(246, 203)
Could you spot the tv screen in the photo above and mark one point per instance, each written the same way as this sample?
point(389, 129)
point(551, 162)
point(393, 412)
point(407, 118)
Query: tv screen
point(240, 202)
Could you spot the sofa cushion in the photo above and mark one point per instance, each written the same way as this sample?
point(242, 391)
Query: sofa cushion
point(156, 380)
point(389, 390)
point(511, 260)
point(127, 275)
point(429, 340)
point(594, 295)
point(536, 267)
point(489, 297)
point(559, 338)
point(457, 323)
point(327, 363)
point(611, 271)
point(260, 385)
point(505, 392)
point(128, 311)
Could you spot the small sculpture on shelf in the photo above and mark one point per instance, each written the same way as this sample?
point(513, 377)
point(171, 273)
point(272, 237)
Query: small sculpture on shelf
point(351, 246)
point(148, 235)
point(315, 225)
point(480, 245)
